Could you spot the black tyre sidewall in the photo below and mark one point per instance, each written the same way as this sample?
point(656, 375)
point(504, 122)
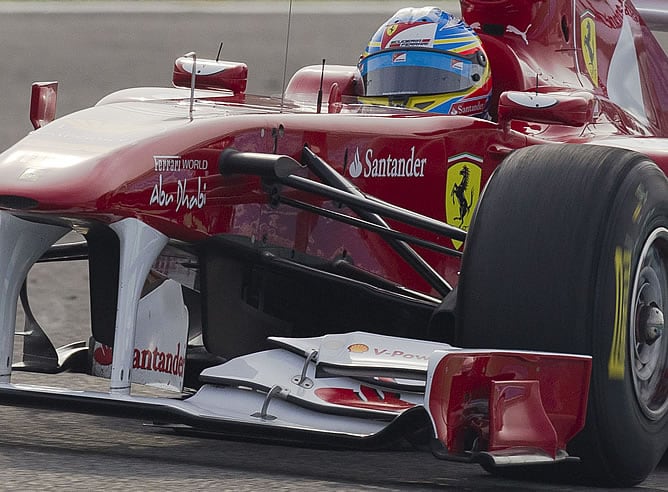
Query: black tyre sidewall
point(538, 273)
point(615, 421)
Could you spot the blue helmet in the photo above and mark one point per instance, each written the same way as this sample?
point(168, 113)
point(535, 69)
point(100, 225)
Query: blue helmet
point(427, 59)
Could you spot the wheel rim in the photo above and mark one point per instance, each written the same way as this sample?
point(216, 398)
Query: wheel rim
point(647, 343)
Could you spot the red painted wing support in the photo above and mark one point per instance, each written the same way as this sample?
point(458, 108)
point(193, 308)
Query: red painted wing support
point(513, 407)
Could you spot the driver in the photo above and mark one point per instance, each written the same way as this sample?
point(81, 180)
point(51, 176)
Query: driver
point(427, 59)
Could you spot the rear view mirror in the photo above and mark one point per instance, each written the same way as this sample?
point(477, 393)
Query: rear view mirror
point(211, 74)
point(570, 109)
point(43, 100)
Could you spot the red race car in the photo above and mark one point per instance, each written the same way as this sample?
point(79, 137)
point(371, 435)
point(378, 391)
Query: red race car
point(461, 241)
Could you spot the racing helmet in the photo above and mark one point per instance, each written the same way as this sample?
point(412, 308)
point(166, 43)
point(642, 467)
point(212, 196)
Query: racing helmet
point(427, 59)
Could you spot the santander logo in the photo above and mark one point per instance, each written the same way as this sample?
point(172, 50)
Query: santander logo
point(158, 361)
point(149, 360)
point(103, 355)
point(468, 107)
point(387, 165)
point(355, 168)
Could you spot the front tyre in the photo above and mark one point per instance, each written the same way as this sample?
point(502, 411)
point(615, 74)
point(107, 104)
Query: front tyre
point(568, 252)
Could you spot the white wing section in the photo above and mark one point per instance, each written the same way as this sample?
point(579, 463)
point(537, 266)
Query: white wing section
point(361, 354)
point(295, 376)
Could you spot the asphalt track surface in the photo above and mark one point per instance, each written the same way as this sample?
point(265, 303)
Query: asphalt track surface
point(94, 49)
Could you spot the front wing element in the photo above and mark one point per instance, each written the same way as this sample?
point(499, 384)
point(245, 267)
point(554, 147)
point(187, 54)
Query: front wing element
point(499, 407)
point(506, 407)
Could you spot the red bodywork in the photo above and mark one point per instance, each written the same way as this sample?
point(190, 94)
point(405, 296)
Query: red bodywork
point(113, 160)
point(571, 71)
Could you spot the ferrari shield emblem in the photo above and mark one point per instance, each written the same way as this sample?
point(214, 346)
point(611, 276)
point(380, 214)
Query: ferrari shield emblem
point(462, 190)
point(588, 39)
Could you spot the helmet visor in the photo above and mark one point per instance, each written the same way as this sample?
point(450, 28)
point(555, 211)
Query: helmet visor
point(420, 72)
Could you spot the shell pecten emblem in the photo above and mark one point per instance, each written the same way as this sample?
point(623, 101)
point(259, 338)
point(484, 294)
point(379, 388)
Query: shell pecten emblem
point(462, 190)
point(358, 348)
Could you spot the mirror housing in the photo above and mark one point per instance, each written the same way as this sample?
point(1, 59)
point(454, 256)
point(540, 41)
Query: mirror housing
point(570, 109)
point(211, 74)
point(43, 99)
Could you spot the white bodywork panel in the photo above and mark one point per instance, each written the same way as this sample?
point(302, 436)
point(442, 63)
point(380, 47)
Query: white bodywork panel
point(363, 354)
point(160, 340)
point(271, 368)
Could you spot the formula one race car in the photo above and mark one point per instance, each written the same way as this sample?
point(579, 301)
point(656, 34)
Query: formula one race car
point(326, 266)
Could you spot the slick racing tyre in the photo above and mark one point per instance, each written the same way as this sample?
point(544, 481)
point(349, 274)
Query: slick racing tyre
point(568, 252)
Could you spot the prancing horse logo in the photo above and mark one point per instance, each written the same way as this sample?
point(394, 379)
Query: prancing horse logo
point(588, 41)
point(462, 190)
point(459, 193)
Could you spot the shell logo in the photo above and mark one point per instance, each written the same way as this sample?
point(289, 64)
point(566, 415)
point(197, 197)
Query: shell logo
point(358, 348)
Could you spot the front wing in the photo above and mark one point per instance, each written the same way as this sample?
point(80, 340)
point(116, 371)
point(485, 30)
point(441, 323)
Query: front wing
point(495, 407)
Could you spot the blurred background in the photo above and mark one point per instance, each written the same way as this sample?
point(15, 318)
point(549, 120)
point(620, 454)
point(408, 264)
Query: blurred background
point(93, 48)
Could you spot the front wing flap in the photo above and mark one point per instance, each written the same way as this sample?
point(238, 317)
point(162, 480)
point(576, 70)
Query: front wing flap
point(505, 407)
